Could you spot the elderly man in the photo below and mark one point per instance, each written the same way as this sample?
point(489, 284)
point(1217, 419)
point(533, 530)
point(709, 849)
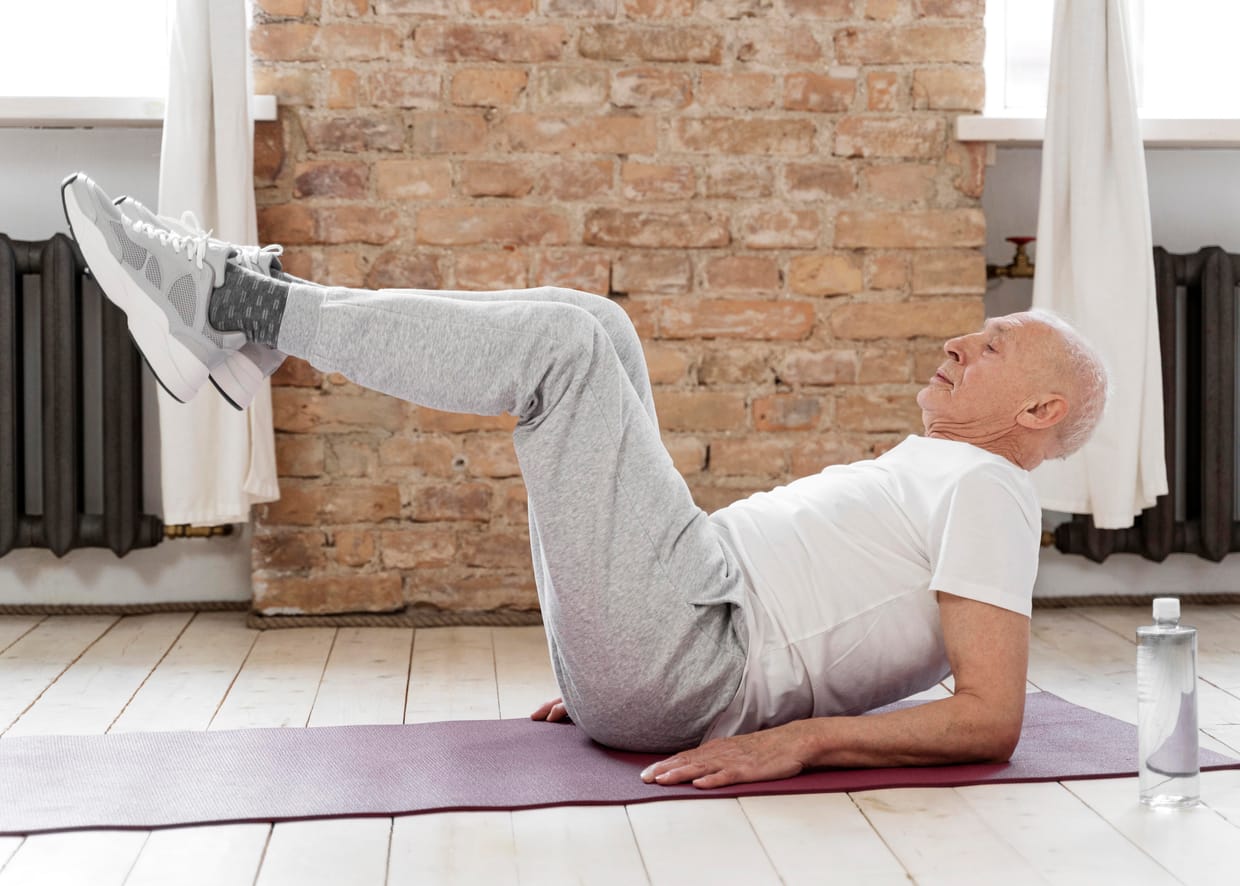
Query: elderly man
point(749, 639)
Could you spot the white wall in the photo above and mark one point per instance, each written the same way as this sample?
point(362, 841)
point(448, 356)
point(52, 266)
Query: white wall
point(1194, 202)
point(123, 161)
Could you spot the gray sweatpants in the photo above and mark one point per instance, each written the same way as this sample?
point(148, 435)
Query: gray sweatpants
point(636, 588)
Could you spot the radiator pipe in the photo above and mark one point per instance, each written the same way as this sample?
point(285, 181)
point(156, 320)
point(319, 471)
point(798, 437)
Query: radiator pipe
point(185, 530)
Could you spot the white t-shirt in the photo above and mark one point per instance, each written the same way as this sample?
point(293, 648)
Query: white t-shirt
point(842, 570)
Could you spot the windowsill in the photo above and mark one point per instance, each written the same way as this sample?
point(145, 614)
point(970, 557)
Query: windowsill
point(1158, 132)
point(57, 112)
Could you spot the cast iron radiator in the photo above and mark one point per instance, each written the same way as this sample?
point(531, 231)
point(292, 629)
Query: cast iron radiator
point(50, 274)
point(1197, 328)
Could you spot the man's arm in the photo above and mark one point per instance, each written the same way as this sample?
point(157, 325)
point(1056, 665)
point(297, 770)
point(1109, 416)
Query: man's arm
point(988, 649)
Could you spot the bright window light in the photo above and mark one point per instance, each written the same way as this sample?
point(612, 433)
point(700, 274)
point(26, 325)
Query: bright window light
point(84, 48)
point(1184, 57)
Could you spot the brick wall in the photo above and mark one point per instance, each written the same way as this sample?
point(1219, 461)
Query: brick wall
point(770, 188)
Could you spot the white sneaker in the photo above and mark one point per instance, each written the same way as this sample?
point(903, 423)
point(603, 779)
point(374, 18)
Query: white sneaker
point(241, 376)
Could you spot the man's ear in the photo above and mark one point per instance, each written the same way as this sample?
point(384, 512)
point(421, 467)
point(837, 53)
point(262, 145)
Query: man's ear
point(1044, 412)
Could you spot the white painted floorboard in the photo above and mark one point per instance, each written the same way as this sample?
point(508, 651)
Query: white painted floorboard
point(92, 674)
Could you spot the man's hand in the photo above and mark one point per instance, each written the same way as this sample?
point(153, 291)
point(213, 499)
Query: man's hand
point(553, 711)
point(758, 756)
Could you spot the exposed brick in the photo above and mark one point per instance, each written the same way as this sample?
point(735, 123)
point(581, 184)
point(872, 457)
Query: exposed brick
point(886, 270)
point(458, 422)
point(735, 318)
point(490, 270)
point(304, 410)
point(292, 8)
point(488, 591)
point(351, 458)
point(417, 548)
point(739, 182)
point(955, 88)
point(452, 501)
point(578, 8)
point(889, 137)
point(778, 228)
point(882, 90)
point(835, 10)
point(405, 269)
point(824, 275)
point(404, 88)
point(500, 225)
point(357, 132)
point(970, 161)
point(575, 178)
point(501, 43)
point(655, 229)
point(747, 272)
point(491, 8)
point(807, 91)
point(937, 317)
point(688, 453)
point(712, 497)
point(292, 87)
point(429, 456)
point(658, 8)
point(786, 412)
point(299, 455)
point(268, 151)
point(289, 550)
point(953, 272)
point(700, 410)
point(666, 363)
point(287, 223)
point(576, 86)
point(910, 44)
point(586, 271)
point(949, 8)
point(359, 42)
point(657, 273)
point(354, 547)
point(819, 181)
point(286, 41)
point(650, 88)
point(352, 8)
point(413, 179)
point(878, 366)
point(896, 230)
point(301, 505)
point(356, 224)
point(760, 44)
point(748, 457)
point(489, 456)
point(566, 135)
point(331, 178)
point(297, 372)
point(343, 89)
point(737, 89)
point(878, 412)
point(657, 181)
point(323, 594)
point(496, 550)
point(812, 455)
point(343, 267)
point(488, 87)
point(736, 9)
point(486, 178)
point(900, 183)
point(661, 44)
point(737, 135)
point(435, 133)
point(818, 367)
point(725, 364)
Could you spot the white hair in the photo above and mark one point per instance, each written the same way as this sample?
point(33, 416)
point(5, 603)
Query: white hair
point(1089, 378)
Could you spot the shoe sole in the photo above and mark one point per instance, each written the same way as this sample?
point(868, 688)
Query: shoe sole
point(176, 368)
point(234, 387)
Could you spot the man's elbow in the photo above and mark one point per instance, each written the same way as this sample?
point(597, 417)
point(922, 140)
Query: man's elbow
point(998, 741)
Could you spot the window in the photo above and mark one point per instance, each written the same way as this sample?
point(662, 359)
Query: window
point(1184, 57)
point(84, 48)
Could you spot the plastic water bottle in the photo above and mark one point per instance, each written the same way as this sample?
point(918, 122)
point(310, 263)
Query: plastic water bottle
point(1167, 739)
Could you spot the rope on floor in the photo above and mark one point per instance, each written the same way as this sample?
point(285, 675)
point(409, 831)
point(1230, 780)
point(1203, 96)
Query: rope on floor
point(409, 618)
point(124, 608)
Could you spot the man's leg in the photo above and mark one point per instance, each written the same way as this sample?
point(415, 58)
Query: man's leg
point(636, 590)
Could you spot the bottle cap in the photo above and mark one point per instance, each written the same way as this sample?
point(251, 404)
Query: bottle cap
point(1166, 609)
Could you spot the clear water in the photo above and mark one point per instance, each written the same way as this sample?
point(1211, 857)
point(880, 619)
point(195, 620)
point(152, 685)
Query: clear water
point(1167, 737)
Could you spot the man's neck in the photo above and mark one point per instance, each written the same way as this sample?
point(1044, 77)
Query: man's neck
point(1006, 444)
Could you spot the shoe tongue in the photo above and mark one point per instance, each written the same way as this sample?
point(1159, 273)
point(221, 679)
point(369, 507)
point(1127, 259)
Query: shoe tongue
point(217, 257)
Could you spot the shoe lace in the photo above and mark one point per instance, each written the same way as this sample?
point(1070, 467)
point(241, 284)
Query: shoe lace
point(248, 254)
point(194, 244)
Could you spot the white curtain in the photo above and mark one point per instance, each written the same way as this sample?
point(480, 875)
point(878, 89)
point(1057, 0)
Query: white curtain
point(215, 461)
point(1094, 260)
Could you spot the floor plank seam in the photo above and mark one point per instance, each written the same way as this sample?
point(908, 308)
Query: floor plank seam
point(151, 672)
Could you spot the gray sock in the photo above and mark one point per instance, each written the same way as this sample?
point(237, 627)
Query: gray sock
point(250, 302)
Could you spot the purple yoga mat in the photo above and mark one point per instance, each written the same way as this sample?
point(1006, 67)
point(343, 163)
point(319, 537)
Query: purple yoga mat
point(162, 779)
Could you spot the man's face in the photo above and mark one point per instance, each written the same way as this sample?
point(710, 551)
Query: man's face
point(989, 377)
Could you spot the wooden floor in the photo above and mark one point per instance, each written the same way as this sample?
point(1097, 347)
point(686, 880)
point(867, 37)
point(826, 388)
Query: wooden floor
point(93, 674)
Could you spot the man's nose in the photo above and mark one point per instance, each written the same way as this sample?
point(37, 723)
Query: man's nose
point(954, 348)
